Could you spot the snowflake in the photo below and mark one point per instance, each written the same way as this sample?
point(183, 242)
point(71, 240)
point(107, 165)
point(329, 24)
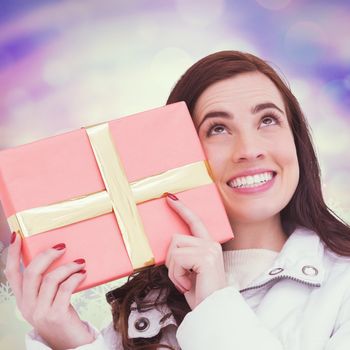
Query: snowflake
point(5, 292)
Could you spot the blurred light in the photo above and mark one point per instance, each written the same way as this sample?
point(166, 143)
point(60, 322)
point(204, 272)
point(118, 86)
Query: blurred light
point(6, 58)
point(168, 65)
point(148, 31)
point(347, 82)
point(306, 42)
point(334, 97)
point(333, 201)
point(16, 96)
point(236, 43)
point(339, 91)
point(301, 89)
point(273, 4)
point(336, 184)
point(331, 136)
point(200, 12)
point(56, 72)
point(343, 50)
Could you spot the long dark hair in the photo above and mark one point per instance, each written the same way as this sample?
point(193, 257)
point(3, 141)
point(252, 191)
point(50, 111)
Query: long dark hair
point(306, 208)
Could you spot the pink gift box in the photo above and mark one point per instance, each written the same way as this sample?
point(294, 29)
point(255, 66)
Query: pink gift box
point(63, 167)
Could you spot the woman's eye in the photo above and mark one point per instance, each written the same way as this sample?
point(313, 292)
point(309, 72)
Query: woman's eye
point(269, 120)
point(216, 128)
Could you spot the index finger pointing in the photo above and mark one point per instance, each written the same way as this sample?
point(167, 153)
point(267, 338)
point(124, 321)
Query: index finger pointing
point(195, 224)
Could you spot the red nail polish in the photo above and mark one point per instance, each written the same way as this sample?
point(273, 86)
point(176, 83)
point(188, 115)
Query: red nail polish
point(80, 261)
point(59, 246)
point(82, 271)
point(171, 196)
point(13, 237)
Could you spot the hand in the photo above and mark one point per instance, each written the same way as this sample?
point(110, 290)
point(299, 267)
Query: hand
point(44, 299)
point(195, 263)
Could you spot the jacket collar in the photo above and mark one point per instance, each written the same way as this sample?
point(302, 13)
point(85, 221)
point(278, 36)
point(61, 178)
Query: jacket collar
point(301, 260)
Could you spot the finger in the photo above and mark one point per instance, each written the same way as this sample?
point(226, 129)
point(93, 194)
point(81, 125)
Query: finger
point(171, 274)
point(52, 280)
point(182, 263)
point(66, 289)
point(180, 240)
point(32, 275)
point(195, 224)
point(181, 276)
point(12, 270)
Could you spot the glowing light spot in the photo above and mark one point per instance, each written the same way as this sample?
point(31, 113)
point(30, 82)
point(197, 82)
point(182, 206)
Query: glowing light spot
point(300, 88)
point(167, 66)
point(200, 12)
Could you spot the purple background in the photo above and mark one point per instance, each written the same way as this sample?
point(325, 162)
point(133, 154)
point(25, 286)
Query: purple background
point(67, 64)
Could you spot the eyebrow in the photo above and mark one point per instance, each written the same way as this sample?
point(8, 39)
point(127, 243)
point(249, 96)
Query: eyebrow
point(256, 109)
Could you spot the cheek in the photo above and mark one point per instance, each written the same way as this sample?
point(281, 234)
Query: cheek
point(287, 156)
point(288, 160)
point(217, 158)
point(283, 147)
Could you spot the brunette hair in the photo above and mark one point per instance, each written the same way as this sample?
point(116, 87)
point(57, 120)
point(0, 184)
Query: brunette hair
point(306, 208)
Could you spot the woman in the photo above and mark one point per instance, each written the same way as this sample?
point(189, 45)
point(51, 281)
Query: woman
point(283, 282)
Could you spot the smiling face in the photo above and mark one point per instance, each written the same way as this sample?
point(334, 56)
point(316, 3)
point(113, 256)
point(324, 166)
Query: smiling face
point(244, 130)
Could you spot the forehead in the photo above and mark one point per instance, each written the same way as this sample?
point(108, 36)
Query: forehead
point(242, 91)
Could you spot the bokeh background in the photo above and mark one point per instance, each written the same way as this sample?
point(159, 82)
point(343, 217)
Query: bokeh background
point(69, 63)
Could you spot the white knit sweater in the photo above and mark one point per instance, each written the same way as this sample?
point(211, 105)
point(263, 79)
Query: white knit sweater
point(244, 266)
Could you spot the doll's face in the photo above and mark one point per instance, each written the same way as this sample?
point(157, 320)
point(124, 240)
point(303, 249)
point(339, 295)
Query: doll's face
point(243, 128)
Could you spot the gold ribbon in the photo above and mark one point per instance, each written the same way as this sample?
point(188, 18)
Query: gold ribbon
point(120, 196)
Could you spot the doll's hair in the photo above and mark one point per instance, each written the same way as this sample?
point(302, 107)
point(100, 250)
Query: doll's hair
point(135, 290)
point(306, 208)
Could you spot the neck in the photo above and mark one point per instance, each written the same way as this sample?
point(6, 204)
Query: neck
point(267, 234)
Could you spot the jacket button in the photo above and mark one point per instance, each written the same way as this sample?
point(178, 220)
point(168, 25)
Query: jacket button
point(142, 324)
point(275, 271)
point(310, 270)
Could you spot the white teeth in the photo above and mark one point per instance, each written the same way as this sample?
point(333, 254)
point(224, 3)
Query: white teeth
point(251, 181)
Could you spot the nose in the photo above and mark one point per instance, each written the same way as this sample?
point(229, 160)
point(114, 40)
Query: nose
point(247, 148)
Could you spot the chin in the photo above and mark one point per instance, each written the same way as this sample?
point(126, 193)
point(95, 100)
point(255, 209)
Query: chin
point(253, 215)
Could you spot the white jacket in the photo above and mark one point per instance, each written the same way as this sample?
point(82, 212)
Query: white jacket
point(301, 302)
